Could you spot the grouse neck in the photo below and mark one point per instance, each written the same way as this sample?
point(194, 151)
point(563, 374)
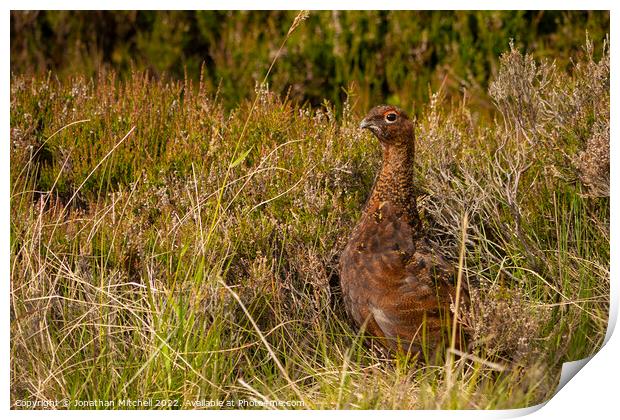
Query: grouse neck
point(394, 184)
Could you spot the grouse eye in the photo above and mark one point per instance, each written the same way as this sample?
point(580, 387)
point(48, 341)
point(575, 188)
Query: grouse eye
point(391, 117)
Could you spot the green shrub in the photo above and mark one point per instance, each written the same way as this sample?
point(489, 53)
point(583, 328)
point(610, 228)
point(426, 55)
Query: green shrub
point(393, 56)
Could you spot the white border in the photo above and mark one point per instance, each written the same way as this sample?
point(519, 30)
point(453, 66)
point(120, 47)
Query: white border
point(592, 393)
point(313, 5)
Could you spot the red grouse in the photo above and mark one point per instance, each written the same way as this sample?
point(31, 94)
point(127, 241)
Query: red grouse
point(395, 286)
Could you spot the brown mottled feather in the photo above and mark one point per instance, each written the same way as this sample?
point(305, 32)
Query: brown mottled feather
point(393, 282)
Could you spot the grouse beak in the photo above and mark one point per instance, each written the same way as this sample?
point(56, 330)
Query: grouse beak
point(365, 124)
point(372, 127)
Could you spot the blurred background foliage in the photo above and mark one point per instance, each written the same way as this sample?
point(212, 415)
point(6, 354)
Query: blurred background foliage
point(378, 56)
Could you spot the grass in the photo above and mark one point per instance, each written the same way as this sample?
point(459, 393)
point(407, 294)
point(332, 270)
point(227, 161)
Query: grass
point(163, 248)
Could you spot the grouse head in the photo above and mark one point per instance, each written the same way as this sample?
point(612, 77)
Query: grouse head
point(389, 124)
